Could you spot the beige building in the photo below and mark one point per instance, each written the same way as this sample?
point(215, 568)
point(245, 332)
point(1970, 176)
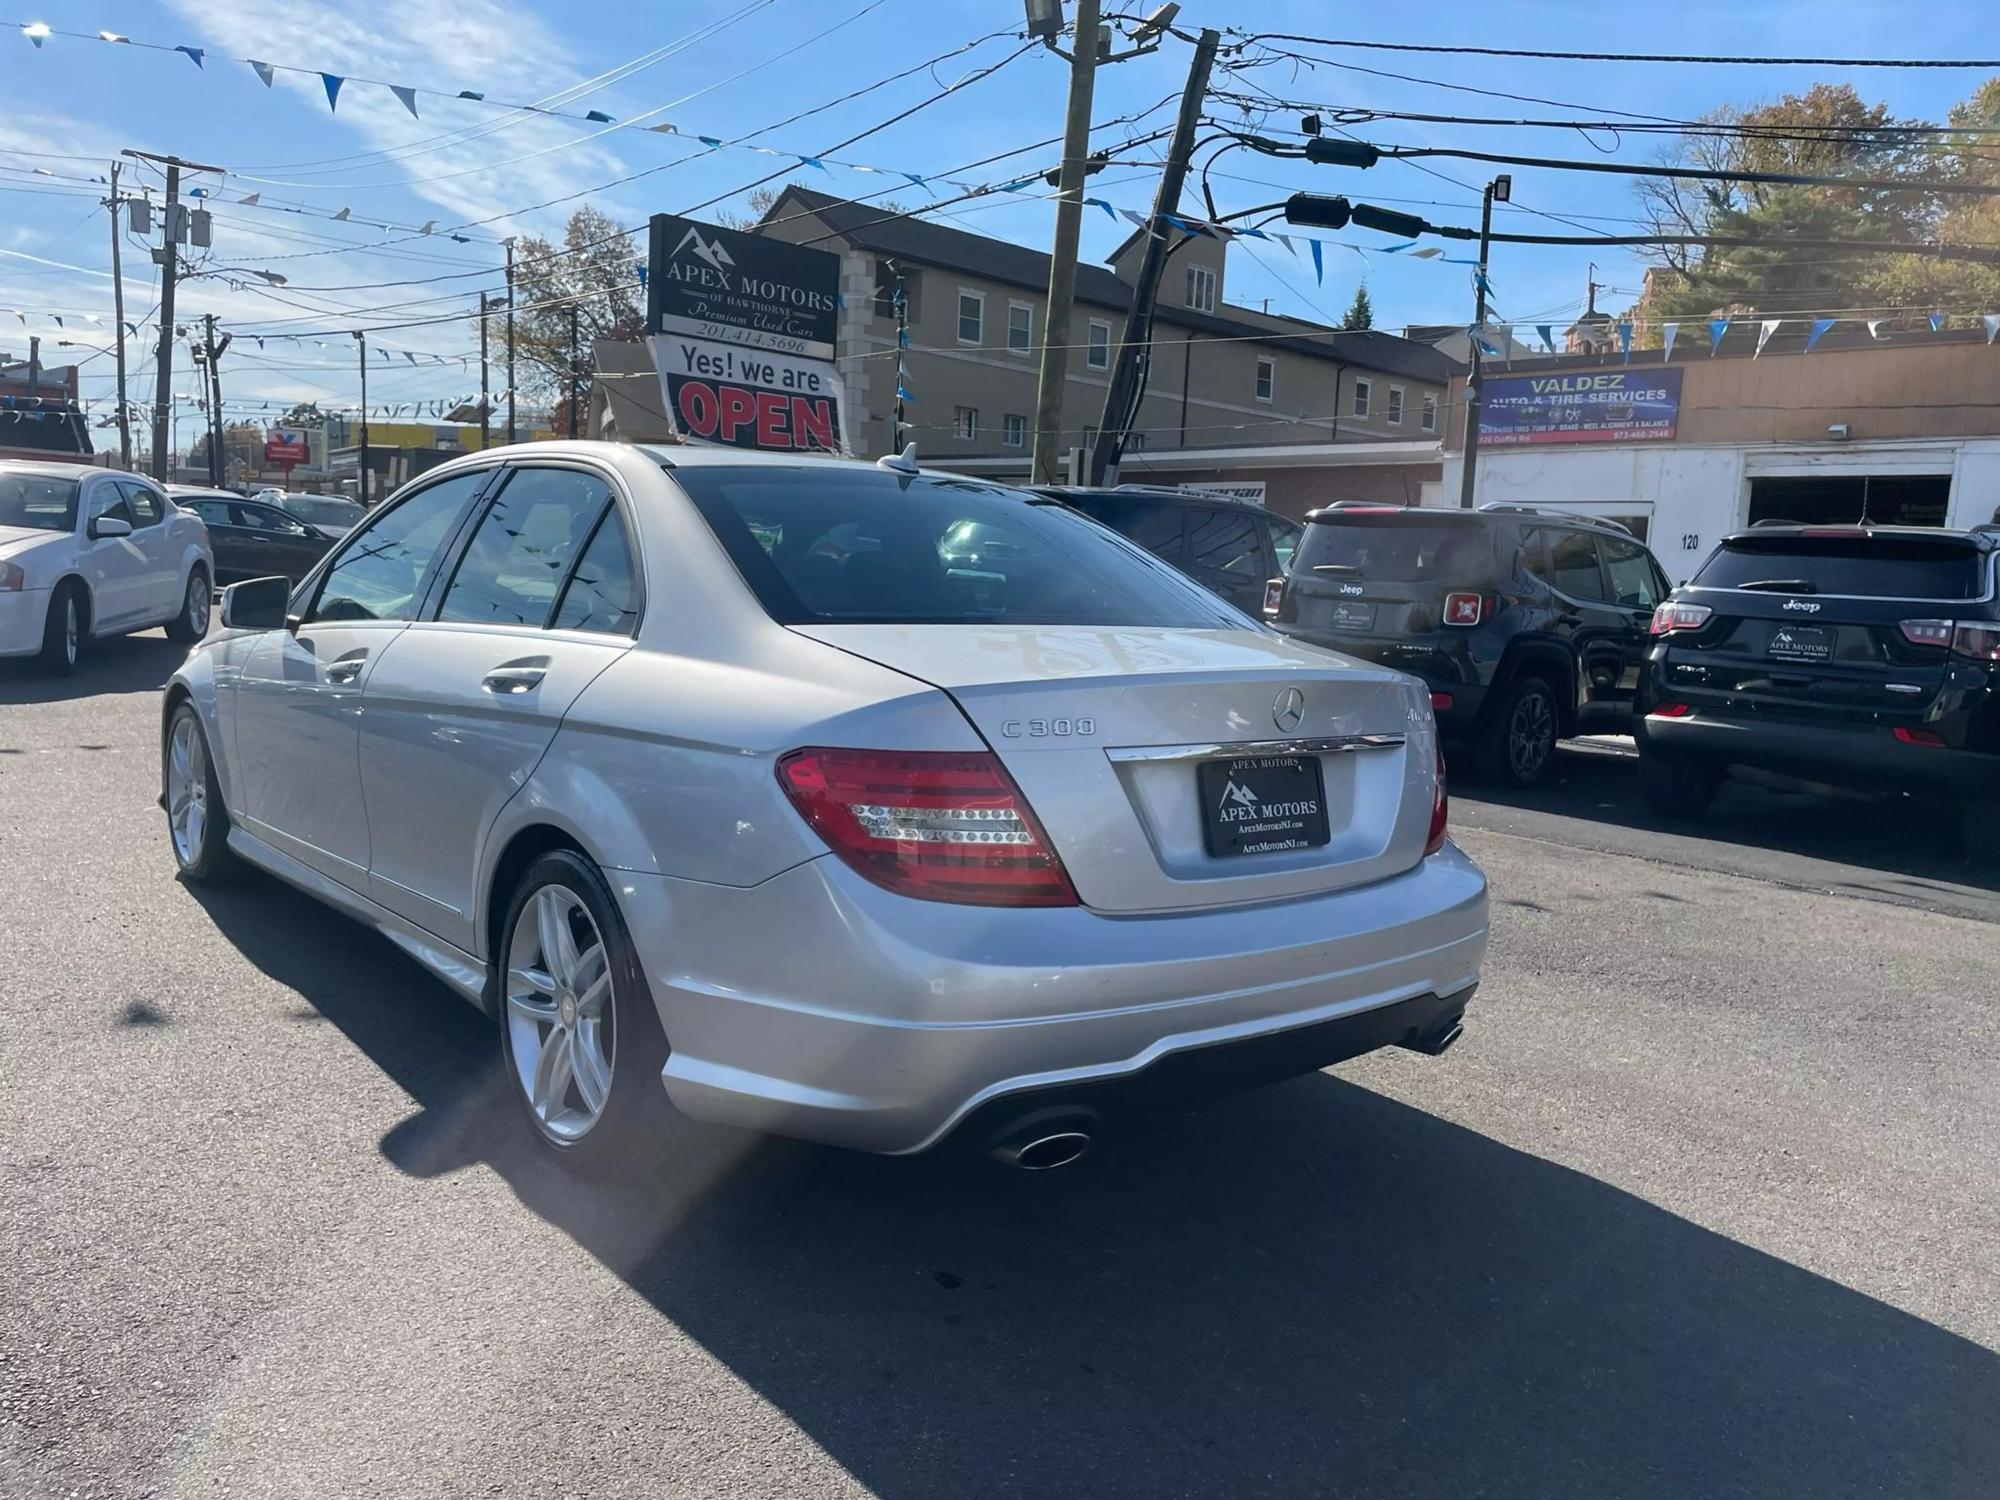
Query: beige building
point(1289, 411)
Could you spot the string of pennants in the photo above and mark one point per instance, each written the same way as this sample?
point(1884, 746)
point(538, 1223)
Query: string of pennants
point(1816, 329)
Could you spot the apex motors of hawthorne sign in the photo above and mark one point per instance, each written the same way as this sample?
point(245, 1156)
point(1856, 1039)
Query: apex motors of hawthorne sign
point(1581, 406)
point(742, 329)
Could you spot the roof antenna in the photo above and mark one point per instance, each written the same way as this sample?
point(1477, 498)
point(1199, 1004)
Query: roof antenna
point(900, 463)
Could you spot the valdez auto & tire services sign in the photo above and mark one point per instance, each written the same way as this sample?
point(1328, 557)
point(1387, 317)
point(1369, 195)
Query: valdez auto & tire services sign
point(1582, 406)
point(742, 329)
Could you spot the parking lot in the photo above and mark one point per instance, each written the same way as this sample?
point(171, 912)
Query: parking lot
point(1705, 1203)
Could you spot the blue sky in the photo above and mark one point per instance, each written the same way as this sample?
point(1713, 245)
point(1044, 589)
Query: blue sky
point(729, 68)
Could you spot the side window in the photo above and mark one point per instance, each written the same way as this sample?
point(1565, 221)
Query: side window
point(603, 593)
point(260, 518)
point(1284, 541)
point(1155, 526)
point(1223, 540)
point(1634, 580)
point(107, 498)
point(385, 561)
point(214, 512)
point(1573, 564)
point(515, 563)
point(144, 503)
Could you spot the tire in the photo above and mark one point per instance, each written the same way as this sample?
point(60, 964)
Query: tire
point(191, 624)
point(613, 1112)
point(62, 632)
point(1516, 742)
point(197, 822)
point(1677, 786)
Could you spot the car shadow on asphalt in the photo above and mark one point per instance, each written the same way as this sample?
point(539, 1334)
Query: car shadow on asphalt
point(117, 664)
point(1915, 845)
point(1307, 1290)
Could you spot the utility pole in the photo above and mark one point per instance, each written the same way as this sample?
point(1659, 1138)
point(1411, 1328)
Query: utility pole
point(512, 436)
point(575, 370)
point(211, 349)
point(367, 490)
point(169, 258)
point(1500, 189)
point(1121, 398)
point(118, 312)
point(1062, 259)
point(485, 392)
point(902, 348)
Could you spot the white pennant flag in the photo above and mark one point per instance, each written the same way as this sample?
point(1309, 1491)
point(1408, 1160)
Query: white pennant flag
point(1764, 331)
point(1669, 332)
point(1875, 327)
point(1992, 322)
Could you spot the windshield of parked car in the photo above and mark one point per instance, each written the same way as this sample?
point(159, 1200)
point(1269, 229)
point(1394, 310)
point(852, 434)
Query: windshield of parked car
point(1391, 547)
point(338, 514)
point(1859, 564)
point(866, 546)
point(40, 502)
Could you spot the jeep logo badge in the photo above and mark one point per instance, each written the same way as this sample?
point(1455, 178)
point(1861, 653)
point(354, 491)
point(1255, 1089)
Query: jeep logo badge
point(1290, 710)
point(1803, 606)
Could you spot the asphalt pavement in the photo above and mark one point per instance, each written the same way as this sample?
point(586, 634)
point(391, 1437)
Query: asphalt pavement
point(1706, 1203)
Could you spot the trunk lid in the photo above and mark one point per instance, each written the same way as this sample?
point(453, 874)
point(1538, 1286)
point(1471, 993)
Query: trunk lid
point(1374, 574)
point(1105, 729)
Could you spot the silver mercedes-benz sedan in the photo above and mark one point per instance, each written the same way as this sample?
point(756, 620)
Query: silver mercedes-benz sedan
point(732, 780)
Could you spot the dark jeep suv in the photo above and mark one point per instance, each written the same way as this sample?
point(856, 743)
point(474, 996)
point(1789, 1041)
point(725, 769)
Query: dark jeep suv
point(1230, 547)
point(1527, 626)
point(1862, 655)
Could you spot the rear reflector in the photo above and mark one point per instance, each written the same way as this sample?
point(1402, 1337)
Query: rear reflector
point(1440, 810)
point(1440, 703)
point(1672, 616)
point(939, 826)
point(1463, 609)
point(1669, 711)
point(1911, 736)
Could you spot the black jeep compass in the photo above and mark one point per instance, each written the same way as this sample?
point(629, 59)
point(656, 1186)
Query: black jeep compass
point(1857, 655)
point(1527, 626)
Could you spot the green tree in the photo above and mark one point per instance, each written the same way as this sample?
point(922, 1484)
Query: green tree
point(304, 414)
point(1360, 312)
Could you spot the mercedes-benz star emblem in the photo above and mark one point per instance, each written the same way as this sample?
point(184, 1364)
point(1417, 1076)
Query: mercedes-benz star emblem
point(1290, 710)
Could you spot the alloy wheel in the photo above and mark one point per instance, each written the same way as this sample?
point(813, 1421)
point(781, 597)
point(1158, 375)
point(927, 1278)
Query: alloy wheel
point(560, 1024)
point(187, 789)
point(72, 629)
point(197, 605)
point(1530, 734)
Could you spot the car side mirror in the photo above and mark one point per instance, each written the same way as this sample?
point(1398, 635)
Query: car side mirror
point(256, 604)
point(104, 526)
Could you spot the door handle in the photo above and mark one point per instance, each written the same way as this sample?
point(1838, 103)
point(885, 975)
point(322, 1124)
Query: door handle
point(513, 679)
point(343, 670)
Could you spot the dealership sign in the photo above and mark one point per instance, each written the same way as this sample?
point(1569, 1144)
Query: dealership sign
point(1584, 406)
point(742, 329)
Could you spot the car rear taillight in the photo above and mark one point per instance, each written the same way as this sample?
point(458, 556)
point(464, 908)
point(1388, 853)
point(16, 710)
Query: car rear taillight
point(936, 825)
point(1669, 711)
point(1463, 609)
point(1911, 736)
point(1672, 616)
point(1274, 595)
point(1927, 632)
point(1978, 642)
point(1441, 703)
point(1440, 810)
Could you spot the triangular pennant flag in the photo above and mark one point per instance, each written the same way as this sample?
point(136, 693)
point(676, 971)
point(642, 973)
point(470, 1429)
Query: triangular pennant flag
point(1548, 333)
point(260, 341)
point(813, 161)
point(1668, 333)
point(714, 143)
point(1625, 340)
point(333, 81)
point(916, 181)
point(1764, 331)
point(1717, 327)
point(903, 393)
point(471, 94)
point(1992, 322)
point(1485, 348)
point(264, 71)
point(1819, 327)
point(133, 329)
point(409, 356)
point(1319, 261)
point(1253, 232)
point(1291, 246)
point(251, 200)
point(1875, 327)
point(1108, 209)
point(664, 129)
point(1937, 321)
point(599, 117)
point(430, 227)
point(37, 37)
point(192, 54)
point(1506, 335)
point(341, 217)
point(409, 97)
point(58, 318)
point(1426, 252)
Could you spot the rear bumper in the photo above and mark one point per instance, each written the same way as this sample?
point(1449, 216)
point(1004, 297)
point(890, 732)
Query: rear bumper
point(1871, 757)
point(1439, 670)
point(23, 613)
point(819, 1005)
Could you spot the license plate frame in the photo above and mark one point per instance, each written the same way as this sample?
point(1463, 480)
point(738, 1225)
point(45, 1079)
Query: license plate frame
point(1262, 804)
point(1807, 645)
point(1351, 616)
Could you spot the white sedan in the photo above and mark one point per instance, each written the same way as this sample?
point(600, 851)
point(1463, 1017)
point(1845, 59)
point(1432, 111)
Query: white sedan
point(88, 552)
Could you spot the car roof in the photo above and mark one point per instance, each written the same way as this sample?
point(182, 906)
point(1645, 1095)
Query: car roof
point(1985, 538)
point(57, 470)
point(1145, 492)
point(1486, 515)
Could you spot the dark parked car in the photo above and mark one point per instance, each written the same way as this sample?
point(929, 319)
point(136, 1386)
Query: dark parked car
point(1230, 547)
point(1528, 626)
point(1862, 655)
point(254, 540)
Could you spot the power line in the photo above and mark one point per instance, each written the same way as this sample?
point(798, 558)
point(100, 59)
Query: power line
point(1629, 57)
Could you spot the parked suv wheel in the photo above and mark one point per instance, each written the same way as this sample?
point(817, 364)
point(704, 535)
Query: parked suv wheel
point(1677, 786)
point(1517, 741)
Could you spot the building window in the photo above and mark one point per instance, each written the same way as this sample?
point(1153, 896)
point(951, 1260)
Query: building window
point(1201, 288)
point(965, 423)
point(1014, 430)
point(1135, 442)
point(1267, 377)
point(1428, 419)
point(1089, 438)
point(971, 317)
point(1395, 406)
point(1363, 391)
point(1097, 351)
point(1020, 327)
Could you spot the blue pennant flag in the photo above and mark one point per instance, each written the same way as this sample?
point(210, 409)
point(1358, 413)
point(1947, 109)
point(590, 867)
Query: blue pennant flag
point(599, 117)
point(903, 337)
point(1937, 321)
point(1489, 350)
point(903, 392)
point(408, 96)
point(1319, 262)
point(1625, 340)
point(1819, 326)
point(471, 94)
point(642, 273)
point(1253, 233)
point(840, 299)
point(710, 141)
point(916, 181)
point(813, 161)
point(1108, 209)
point(1548, 333)
point(333, 81)
point(1717, 327)
point(192, 54)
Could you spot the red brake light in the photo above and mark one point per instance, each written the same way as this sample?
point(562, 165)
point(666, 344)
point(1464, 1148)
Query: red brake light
point(1911, 736)
point(1927, 632)
point(936, 825)
point(1440, 810)
point(1463, 609)
point(1669, 711)
point(1672, 616)
point(1274, 594)
point(1441, 703)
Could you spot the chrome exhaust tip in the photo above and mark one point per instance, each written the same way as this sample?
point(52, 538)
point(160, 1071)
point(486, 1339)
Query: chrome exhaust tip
point(1045, 1140)
point(1440, 1039)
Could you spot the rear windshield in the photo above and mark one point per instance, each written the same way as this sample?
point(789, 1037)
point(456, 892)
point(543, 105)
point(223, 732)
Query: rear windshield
point(342, 513)
point(1392, 548)
point(39, 502)
point(1873, 567)
point(865, 546)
